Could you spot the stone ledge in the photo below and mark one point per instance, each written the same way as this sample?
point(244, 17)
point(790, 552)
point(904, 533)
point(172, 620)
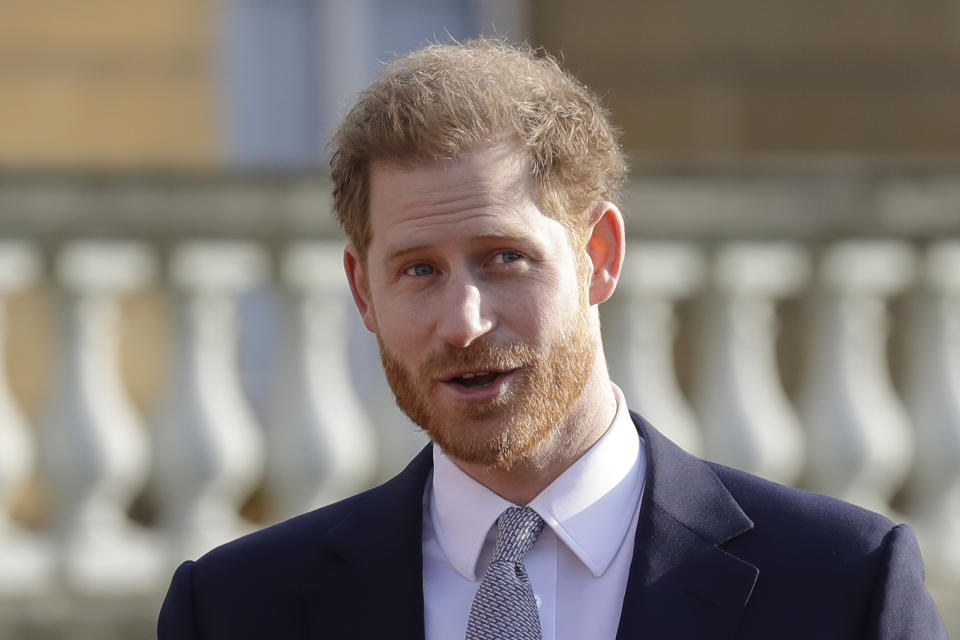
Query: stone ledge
point(710, 200)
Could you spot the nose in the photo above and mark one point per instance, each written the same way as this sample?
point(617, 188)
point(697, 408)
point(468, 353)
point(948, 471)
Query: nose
point(462, 318)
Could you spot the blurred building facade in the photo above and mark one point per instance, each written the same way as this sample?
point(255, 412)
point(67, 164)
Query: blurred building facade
point(183, 362)
point(697, 77)
point(193, 83)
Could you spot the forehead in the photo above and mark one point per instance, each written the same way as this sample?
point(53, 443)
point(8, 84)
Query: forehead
point(485, 186)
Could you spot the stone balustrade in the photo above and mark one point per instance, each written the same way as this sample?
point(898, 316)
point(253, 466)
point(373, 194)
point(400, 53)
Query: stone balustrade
point(802, 323)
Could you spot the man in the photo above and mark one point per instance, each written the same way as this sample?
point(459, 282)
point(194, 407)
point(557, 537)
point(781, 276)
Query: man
point(477, 184)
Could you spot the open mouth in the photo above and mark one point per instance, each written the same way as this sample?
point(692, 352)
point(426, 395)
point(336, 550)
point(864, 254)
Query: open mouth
point(477, 379)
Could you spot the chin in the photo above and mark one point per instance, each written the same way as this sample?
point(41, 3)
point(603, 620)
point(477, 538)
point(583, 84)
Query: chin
point(496, 443)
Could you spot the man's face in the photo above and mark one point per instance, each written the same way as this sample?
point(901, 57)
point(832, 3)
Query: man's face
point(479, 304)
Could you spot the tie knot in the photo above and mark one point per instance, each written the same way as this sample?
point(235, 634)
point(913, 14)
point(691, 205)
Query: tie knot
point(519, 528)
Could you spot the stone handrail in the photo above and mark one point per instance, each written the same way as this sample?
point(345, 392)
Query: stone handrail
point(837, 253)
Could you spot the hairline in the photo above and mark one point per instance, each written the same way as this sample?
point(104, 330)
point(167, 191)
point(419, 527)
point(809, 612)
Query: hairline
point(575, 224)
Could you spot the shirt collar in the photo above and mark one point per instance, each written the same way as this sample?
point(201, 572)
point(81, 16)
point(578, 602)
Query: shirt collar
point(589, 506)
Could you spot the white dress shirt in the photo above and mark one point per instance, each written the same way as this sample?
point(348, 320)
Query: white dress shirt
point(580, 563)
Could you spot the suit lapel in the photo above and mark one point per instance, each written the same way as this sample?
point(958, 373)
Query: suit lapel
point(682, 584)
point(371, 571)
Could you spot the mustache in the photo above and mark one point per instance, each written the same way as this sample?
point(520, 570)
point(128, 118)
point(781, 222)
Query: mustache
point(478, 356)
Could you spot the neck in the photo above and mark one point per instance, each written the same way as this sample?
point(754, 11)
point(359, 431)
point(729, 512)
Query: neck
point(590, 419)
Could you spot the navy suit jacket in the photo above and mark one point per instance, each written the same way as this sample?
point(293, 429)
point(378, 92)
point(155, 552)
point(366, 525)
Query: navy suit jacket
point(718, 554)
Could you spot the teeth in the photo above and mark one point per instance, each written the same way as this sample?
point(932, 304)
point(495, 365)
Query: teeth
point(467, 376)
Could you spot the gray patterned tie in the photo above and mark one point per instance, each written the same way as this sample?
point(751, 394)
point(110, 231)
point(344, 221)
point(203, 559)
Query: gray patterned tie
point(504, 607)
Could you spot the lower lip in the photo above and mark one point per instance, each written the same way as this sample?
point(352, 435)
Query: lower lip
point(481, 394)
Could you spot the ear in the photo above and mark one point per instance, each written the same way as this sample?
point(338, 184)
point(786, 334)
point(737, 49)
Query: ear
point(359, 286)
point(606, 245)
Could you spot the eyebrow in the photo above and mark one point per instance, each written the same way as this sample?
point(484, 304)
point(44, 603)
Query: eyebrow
point(398, 251)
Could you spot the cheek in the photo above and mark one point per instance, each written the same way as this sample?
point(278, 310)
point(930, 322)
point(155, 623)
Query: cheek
point(539, 316)
point(402, 328)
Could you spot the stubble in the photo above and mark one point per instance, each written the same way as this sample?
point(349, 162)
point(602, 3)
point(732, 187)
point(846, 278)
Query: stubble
point(546, 386)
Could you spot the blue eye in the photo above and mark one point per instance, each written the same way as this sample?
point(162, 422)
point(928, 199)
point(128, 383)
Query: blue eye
point(509, 256)
point(420, 270)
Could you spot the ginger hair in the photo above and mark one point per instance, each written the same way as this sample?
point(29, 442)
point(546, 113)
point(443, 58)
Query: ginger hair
point(441, 101)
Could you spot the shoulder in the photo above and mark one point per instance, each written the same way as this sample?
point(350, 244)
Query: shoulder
point(228, 591)
point(730, 504)
point(820, 563)
point(803, 514)
point(281, 553)
point(245, 588)
point(282, 537)
point(815, 551)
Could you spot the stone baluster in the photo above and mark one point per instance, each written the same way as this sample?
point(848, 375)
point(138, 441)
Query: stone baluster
point(858, 436)
point(94, 447)
point(320, 443)
point(25, 560)
point(208, 446)
point(746, 418)
point(398, 437)
point(640, 327)
point(933, 400)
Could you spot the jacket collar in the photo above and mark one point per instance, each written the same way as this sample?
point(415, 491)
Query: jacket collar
point(376, 551)
point(682, 584)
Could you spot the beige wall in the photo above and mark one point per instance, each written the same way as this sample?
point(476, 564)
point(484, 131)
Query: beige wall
point(861, 76)
point(105, 83)
point(131, 82)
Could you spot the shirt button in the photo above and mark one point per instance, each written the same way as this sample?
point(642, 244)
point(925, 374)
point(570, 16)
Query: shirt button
point(539, 600)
